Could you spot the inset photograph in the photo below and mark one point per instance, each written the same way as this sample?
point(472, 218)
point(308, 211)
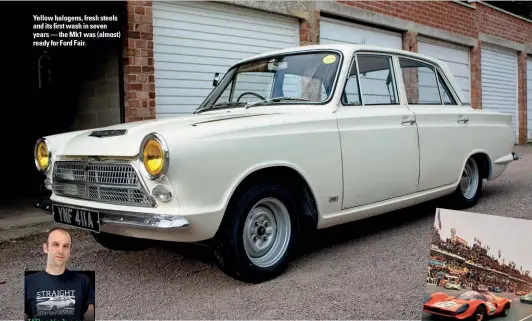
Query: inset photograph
point(57, 292)
point(479, 268)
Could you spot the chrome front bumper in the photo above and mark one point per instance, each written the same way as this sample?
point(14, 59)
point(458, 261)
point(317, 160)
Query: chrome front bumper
point(124, 218)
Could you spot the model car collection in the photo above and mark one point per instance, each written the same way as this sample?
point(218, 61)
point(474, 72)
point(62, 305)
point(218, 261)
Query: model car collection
point(331, 134)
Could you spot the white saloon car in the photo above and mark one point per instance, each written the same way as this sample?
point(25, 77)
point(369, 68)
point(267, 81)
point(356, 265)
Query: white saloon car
point(312, 136)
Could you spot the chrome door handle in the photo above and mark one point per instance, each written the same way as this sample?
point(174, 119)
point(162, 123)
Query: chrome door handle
point(411, 122)
point(464, 120)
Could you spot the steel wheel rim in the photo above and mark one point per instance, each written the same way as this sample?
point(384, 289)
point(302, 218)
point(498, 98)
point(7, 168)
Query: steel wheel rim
point(267, 231)
point(470, 179)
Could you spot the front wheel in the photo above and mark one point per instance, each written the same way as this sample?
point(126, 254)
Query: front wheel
point(506, 309)
point(257, 238)
point(480, 313)
point(468, 191)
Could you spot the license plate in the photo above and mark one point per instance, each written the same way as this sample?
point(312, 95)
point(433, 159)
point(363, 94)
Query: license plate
point(80, 218)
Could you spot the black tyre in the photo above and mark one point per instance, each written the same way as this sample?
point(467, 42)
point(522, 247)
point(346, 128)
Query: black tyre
point(257, 237)
point(480, 313)
point(469, 189)
point(506, 310)
point(120, 243)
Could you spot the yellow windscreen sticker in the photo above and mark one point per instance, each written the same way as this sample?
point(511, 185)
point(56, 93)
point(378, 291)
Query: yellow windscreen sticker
point(329, 59)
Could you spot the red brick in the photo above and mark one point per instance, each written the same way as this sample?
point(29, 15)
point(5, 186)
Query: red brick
point(140, 44)
point(139, 10)
point(147, 70)
point(135, 86)
point(141, 79)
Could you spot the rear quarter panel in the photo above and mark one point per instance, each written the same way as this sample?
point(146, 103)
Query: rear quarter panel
point(491, 133)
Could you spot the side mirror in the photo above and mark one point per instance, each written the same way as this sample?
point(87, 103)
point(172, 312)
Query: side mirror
point(216, 79)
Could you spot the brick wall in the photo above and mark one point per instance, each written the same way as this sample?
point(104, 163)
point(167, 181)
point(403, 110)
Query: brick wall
point(410, 75)
point(309, 29)
point(522, 100)
point(139, 79)
point(444, 15)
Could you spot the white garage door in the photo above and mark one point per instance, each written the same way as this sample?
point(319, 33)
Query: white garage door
point(529, 98)
point(455, 56)
point(336, 31)
point(194, 40)
point(499, 82)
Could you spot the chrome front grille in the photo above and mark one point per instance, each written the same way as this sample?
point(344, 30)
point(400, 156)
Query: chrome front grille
point(114, 183)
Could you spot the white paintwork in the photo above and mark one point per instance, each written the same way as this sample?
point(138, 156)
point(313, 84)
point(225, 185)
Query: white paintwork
point(348, 152)
point(193, 40)
point(499, 83)
point(529, 97)
point(455, 56)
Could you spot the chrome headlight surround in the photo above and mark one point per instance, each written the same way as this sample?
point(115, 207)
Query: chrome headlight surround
point(48, 147)
point(165, 156)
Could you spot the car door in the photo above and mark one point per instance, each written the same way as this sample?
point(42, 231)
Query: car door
point(443, 124)
point(378, 134)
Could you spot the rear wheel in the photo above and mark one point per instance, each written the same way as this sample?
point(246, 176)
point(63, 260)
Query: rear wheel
point(257, 237)
point(468, 191)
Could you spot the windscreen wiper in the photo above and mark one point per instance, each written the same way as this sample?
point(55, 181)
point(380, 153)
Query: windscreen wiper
point(255, 103)
point(227, 104)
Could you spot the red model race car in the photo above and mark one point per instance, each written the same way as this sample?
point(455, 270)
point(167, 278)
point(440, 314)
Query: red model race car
point(470, 304)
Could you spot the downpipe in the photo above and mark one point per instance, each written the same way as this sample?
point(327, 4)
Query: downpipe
point(515, 156)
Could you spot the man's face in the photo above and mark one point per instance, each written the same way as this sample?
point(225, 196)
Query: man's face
point(58, 248)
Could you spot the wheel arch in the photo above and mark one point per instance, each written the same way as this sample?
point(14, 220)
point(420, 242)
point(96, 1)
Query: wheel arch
point(483, 160)
point(285, 173)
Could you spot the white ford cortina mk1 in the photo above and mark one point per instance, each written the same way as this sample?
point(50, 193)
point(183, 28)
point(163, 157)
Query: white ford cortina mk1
point(307, 137)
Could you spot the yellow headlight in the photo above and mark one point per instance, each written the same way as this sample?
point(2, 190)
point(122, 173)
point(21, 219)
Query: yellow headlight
point(153, 157)
point(42, 155)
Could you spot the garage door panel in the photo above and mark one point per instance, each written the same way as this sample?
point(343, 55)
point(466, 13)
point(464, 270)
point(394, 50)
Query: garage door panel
point(499, 83)
point(181, 101)
point(165, 75)
point(455, 56)
point(223, 33)
point(187, 21)
point(529, 98)
point(193, 40)
point(196, 60)
point(210, 53)
point(230, 38)
point(221, 47)
point(332, 32)
point(489, 62)
point(206, 11)
point(189, 83)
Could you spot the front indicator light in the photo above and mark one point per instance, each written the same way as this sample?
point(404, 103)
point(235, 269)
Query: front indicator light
point(42, 155)
point(48, 184)
point(154, 156)
point(162, 193)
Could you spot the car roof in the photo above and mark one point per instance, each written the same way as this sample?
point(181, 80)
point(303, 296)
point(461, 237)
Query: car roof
point(346, 49)
point(349, 49)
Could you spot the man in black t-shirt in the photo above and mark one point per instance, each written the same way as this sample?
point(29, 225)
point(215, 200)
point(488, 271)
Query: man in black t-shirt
point(58, 294)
